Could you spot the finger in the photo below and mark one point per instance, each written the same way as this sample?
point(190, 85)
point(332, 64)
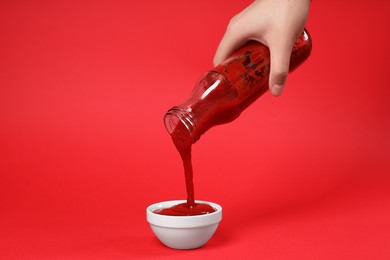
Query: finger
point(280, 62)
point(233, 39)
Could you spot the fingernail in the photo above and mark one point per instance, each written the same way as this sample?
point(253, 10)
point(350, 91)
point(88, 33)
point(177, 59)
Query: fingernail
point(277, 89)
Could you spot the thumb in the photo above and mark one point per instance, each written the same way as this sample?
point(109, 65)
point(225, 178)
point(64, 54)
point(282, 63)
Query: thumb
point(280, 62)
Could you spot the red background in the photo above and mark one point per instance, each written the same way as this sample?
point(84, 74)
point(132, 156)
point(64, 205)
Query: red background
point(84, 86)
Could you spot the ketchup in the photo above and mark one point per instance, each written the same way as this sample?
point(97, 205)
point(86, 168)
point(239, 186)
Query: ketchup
point(218, 98)
point(183, 144)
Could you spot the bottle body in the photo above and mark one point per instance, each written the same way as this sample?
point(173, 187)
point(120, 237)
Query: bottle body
point(223, 93)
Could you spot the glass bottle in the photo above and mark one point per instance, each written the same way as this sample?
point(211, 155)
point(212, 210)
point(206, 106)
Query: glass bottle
point(222, 93)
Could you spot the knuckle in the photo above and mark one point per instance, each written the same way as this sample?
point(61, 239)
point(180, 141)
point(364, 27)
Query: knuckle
point(235, 26)
point(280, 72)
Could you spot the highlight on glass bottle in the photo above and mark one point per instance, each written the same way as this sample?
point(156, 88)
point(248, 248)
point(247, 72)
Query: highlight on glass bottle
point(223, 93)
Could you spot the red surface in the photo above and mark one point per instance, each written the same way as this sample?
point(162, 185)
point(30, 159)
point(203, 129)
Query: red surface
point(83, 89)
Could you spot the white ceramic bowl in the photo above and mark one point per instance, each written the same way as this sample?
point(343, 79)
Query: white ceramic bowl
point(183, 232)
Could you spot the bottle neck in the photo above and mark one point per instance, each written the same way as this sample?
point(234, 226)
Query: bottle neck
point(177, 115)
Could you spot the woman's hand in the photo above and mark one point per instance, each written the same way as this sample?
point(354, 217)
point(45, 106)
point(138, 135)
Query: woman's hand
point(275, 23)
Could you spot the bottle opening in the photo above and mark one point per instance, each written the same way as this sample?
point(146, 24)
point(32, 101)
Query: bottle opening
point(170, 122)
point(177, 115)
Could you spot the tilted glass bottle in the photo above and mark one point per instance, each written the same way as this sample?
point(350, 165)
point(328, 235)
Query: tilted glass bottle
point(225, 91)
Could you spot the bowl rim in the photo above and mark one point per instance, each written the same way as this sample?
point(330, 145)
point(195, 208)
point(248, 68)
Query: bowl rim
point(182, 221)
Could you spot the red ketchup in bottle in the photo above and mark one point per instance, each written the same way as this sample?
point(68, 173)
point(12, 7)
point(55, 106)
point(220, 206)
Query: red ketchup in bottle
point(218, 98)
